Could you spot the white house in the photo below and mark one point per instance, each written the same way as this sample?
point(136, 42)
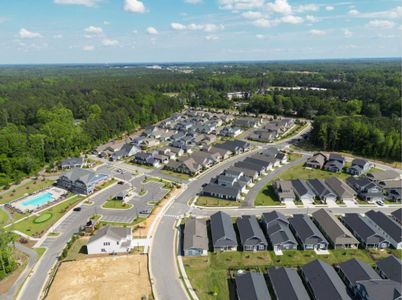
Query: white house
point(110, 239)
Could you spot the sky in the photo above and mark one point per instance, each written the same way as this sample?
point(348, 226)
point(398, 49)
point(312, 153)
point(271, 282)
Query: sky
point(135, 31)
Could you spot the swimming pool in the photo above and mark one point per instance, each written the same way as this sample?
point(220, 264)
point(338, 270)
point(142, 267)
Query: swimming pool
point(38, 200)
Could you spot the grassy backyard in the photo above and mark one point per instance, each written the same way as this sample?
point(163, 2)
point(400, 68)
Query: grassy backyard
point(36, 225)
point(215, 202)
point(27, 188)
point(209, 275)
point(116, 204)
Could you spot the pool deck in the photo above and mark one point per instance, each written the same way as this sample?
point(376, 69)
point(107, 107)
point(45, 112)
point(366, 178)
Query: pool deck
point(56, 192)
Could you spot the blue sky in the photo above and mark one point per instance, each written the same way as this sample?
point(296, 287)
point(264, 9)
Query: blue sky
point(105, 31)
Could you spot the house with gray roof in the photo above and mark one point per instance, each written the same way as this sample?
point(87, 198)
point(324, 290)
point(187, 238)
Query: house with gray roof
point(321, 190)
point(222, 232)
point(222, 192)
point(317, 161)
point(335, 232)
point(249, 166)
point(126, 150)
point(276, 227)
point(390, 268)
point(391, 230)
point(253, 174)
point(323, 282)
point(368, 235)
point(365, 188)
point(251, 236)
point(342, 191)
point(392, 189)
point(302, 191)
point(378, 289)
point(307, 233)
point(110, 239)
point(397, 215)
point(334, 163)
point(81, 181)
point(72, 162)
point(251, 286)
point(284, 190)
point(384, 175)
point(354, 270)
point(235, 146)
point(359, 167)
point(195, 239)
point(286, 284)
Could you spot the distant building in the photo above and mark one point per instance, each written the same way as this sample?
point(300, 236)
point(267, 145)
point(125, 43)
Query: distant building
point(81, 181)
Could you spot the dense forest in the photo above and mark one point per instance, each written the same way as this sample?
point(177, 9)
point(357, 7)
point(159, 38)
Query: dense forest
point(51, 112)
point(7, 261)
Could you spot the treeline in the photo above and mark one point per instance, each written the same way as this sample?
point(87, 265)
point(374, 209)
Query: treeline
point(371, 137)
point(7, 261)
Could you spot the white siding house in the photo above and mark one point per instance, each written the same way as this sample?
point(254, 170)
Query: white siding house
point(110, 239)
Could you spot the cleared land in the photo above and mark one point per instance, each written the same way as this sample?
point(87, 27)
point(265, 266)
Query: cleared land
point(209, 275)
point(111, 277)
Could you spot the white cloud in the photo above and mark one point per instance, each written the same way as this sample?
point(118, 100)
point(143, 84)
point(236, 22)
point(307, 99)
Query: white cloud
point(311, 19)
point(110, 42)
point(317, 32)
point(88, 3)
point(212, 37)
point(26, 34)
point(384, 24)
point(193, 1)
point(260, 36)
point(88, 48)
point(252, 15)
point(353, 12)
point(93, 29)
point(240, 4)
point(280, 6)
point(307, 7)
point(134, 6)
point(58, 36)
point(264, 22)
point(329, 7)
point(347, 33)
point(177, 26)
point(290, 19)
point(209, 27)
point(152, 30)
point(106, 23)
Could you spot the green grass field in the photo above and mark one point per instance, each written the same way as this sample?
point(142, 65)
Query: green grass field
point(116, 204)
point(3, 217)
point(27, 188)
point(175, 174)
point(215, 202)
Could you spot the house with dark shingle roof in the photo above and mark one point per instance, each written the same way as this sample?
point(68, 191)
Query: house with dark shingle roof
point(81, 181)
point(302, 191)
point(341, 190)
point(317, 161)
point(384, 175)
point(335, 232)
point(321, 190)
point(284, 190)
point(276, 227)
point(334, 163)
point(388, 227)
point(390, 268)
point(323, 282)
point(73, 162)
point(251, 236)
point(222, 192)
point(359, 167)
point(365, 188)
point(368, 235)
point(286, 284)
point(378, 289)
point(397, 215)
point(222, 232)
point(392, 189)
point(251, 286)
point(195, 240)
point(307, 233)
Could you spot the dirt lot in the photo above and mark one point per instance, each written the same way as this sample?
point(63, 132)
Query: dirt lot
point(111, 277)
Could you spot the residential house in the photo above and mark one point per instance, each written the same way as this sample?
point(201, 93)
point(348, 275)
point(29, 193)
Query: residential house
point(276, 226)
point(221, 153)
point(222, 192)
point(382, 176)
point(110, 239)
point(247, 123)
point(186, 166)
point(307, 233)
point(390, 268)
point(251, 236)
point(81, 181)
point(161, 159)
point(335, 232)
point(245, 165)
point(286, 284)
point(251, 286)
point(284, 190)
point(321, 190)
point(391, 230)
point(222, 232)
point(397, 215)
point(335, 163)
point(359, 167)
point(317, 161)
point(146, 158)
point(392, 189)
point(378, 289)
point(342, 191)
point(302, 191)
point(365, 188)
point(73, 162)
point(195, 240)
point(263, 136)
point(231, 131)
point(323, 281)
point(126, 150)
point(253, 174)
point(178, 151)
point(235, 146)
point(368, 235)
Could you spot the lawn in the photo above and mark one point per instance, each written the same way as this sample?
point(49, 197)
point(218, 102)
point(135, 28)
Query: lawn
point(135, 222)
point(215, 202)
point(27, 188)
point(209, 275)
point(3, 217)
point(116, 204)
point(175, 174)
point(293, 131)
point(267, 197)
point(77, 250)
point(32, 227)
point(166, 183)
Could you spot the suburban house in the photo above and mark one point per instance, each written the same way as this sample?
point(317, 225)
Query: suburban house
point(378, 289)
point(368, 235)
point(342, 191)
point(195, 241)
point(73, 162)
point(334, 163)
point(276, 227)
point(110, 239)
point(335, 232)
point(284, 190)
point(249, 166)
point(231, 131)
point(251, 286)
point(397, 215)
point(251, 236)
point(390, 268)
point(252, 174)
point(302, 191)
point(247, 123)
point(234, 146)
point(286, 284)
point(146, 158)
point(126, 150)
point(184, 165)
point(359, 167)
point(81, 181)
point(354, 270)
point(317, 161)
point(392, 189)
point(222, 232)
point(321, 190)
point(365, 188)
point(323, 281)
point(391, 230)
point(307, 233)
point(222, 192)
point(382, 176)
point(262, 135)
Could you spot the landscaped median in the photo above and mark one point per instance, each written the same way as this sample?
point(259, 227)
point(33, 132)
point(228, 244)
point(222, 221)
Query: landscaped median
point(116, 204)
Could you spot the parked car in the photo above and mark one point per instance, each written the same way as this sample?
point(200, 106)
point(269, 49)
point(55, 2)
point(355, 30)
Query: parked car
point(380, 203)
point(120, 182)
point(77, 209)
